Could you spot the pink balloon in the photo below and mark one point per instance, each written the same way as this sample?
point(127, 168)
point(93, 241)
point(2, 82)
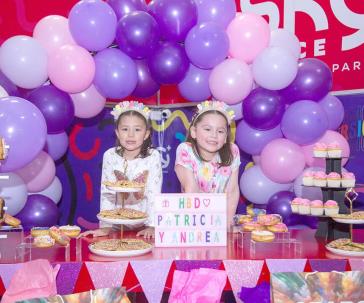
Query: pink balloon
point(330, 136)
point(39, 173)
point(231, 81)
point(249, 34)
point(282, 160)
point(71, 68)
point(53, 32)
point(88, 103)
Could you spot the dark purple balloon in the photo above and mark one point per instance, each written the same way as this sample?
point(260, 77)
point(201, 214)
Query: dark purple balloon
point(175, 17)
point(56, 106)
point(9, 86)
point(263, 109)
point(310, 221)
point(313, 81)
point(137, 34)
point(39, 210)
point(280, 204)
point(124, 7)
point(169, 63)
point(146, 86)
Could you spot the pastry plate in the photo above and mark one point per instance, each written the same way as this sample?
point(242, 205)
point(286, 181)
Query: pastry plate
point(120, 189)
point(126, 253)
point(122, 221)
point(345, 252)
point(348, 221)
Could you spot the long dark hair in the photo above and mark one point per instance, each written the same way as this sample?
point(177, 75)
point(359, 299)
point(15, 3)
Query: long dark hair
point(225, 153)
point(147, 143)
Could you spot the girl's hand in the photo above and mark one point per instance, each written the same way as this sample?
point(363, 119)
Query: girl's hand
point(100, 232)
point(148, 233)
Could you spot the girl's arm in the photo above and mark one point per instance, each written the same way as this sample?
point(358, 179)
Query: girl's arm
point(187, 179)
point(232, 196)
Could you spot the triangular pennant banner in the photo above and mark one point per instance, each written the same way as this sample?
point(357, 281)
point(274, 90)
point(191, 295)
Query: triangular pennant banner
point(7, 271)
point(107, 274)
point(356, 264)
point(67, 277)
point(328, 265)
point(242, 273)
point(188, 265)
point(152, 276)
point(286, 265)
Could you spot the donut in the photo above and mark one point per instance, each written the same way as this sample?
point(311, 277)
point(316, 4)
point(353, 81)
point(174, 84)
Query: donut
point(278, 228)
point(269, 219)
point(262, 236)
point(2, 149)
point(59, 236)
point(43, 241)
point(250, 226)
point(10, 220)
point(71, 231)
point(39, 231)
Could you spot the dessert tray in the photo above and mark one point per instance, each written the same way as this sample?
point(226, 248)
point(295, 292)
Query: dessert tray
point(354, 218)
point(346, 247)
point(122, 216)
point(120, 247)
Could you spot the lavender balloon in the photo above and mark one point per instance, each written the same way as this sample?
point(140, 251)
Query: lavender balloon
point(137, 34)
point(56, 145)
point(334, 110)
point(218, 11)
point(313, 81)
point(116, 74)
point(263, 109)
point(146, 86)
point(195, 86)
point(92, 24)
point(169, 63)
point(56, 106)
point(304, 122)
point(207, 44)
point(124, 7)
point(24, 129)
point(175, 17)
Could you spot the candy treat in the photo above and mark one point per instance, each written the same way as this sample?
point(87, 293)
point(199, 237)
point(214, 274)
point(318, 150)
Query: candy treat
point(121, 245)
point(348, 180)
point(268, 220)
point(3, 151)
point(331, 208)
point(320, 150)
point(123, 213)
point(250, 226)
point(334, 150)
point(333, 180)
point(278, 228)
point(39, 231)
point(71, 231)
point(59, 236)
point(241, 219)
point(44, 241)
point(295, 203)
point(10, 220)
point(347, 245)
point(320, 179)
point(304, 208)
point(262, 236)
point(358, 215)
point(307, 179)
point(317, 208)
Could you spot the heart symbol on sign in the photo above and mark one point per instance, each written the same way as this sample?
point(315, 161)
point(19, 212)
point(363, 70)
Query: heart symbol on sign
point(206, 202)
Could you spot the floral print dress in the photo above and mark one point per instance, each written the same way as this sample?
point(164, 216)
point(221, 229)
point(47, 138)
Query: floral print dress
point(208, 175)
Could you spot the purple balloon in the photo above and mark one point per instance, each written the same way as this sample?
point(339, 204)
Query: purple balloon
point(238, 110)
point(252, 141)
point(169, 63)
point(116, 74)
point(92, 24)
point(207, 45)
point(263, 109)
point(56, 145)
point(9, 86)
point(195, 86)
point(334, 110)
point(56, 106)
point(280, 203)
point(146, 86)
point(218, 11)
point(39, 210)
point(24, 129)
point(124, 7)
point(175, 17)
point(137, 34)
point(313, 81)
point(304, 122)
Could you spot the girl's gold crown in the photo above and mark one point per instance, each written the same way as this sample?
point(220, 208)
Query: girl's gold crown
point(219, 106)
point(126, 106)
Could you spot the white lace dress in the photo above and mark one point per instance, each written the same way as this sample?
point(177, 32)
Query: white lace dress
point(132, 169)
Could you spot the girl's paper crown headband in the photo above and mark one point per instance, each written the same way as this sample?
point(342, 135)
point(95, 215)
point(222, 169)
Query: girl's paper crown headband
point(127, 106)
point(219, 106)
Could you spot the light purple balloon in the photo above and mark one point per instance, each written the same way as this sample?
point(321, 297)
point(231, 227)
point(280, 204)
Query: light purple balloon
point(92, 24)
point(238, 110)
point(146, 86)
point(207, 44)
point(307, 192)
point(334, 110)
point(124, 7)
point(56, 145)
point(258, 188)
point(116, 74)
point(218, 11)
point(195, 86)
point(24, 129)
point(304, 122)
point(252, 141)
point(53, 191)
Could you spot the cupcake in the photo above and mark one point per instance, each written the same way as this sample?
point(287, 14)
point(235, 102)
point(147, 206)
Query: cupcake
point(319, 179)
point(334, 150)
point(307, 179)
point(295, 203)
point(304, 207)
point(333, 180)
point(320, 150)
point(348, 180)
point(331, 208)
point(317, 208)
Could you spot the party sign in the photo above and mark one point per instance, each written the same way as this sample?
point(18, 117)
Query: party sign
point(190, 220)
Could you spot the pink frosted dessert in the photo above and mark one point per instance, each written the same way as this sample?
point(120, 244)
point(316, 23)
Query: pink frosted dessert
point(333, 180)
point(295, 203)
point(317, 208)
point(334, 150)
point(331, 208)
point(319, 179)
point(304, 207)
point(320, 150)
point(307, 179)
point(348, 180)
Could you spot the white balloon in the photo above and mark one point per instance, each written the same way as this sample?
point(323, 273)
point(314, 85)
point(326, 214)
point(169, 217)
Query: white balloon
point(3, 92)
point(14, 192)
point(284, 38)
point(53, 191)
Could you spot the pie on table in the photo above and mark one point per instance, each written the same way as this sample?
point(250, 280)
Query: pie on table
point(121, 245)
point(122, 213)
